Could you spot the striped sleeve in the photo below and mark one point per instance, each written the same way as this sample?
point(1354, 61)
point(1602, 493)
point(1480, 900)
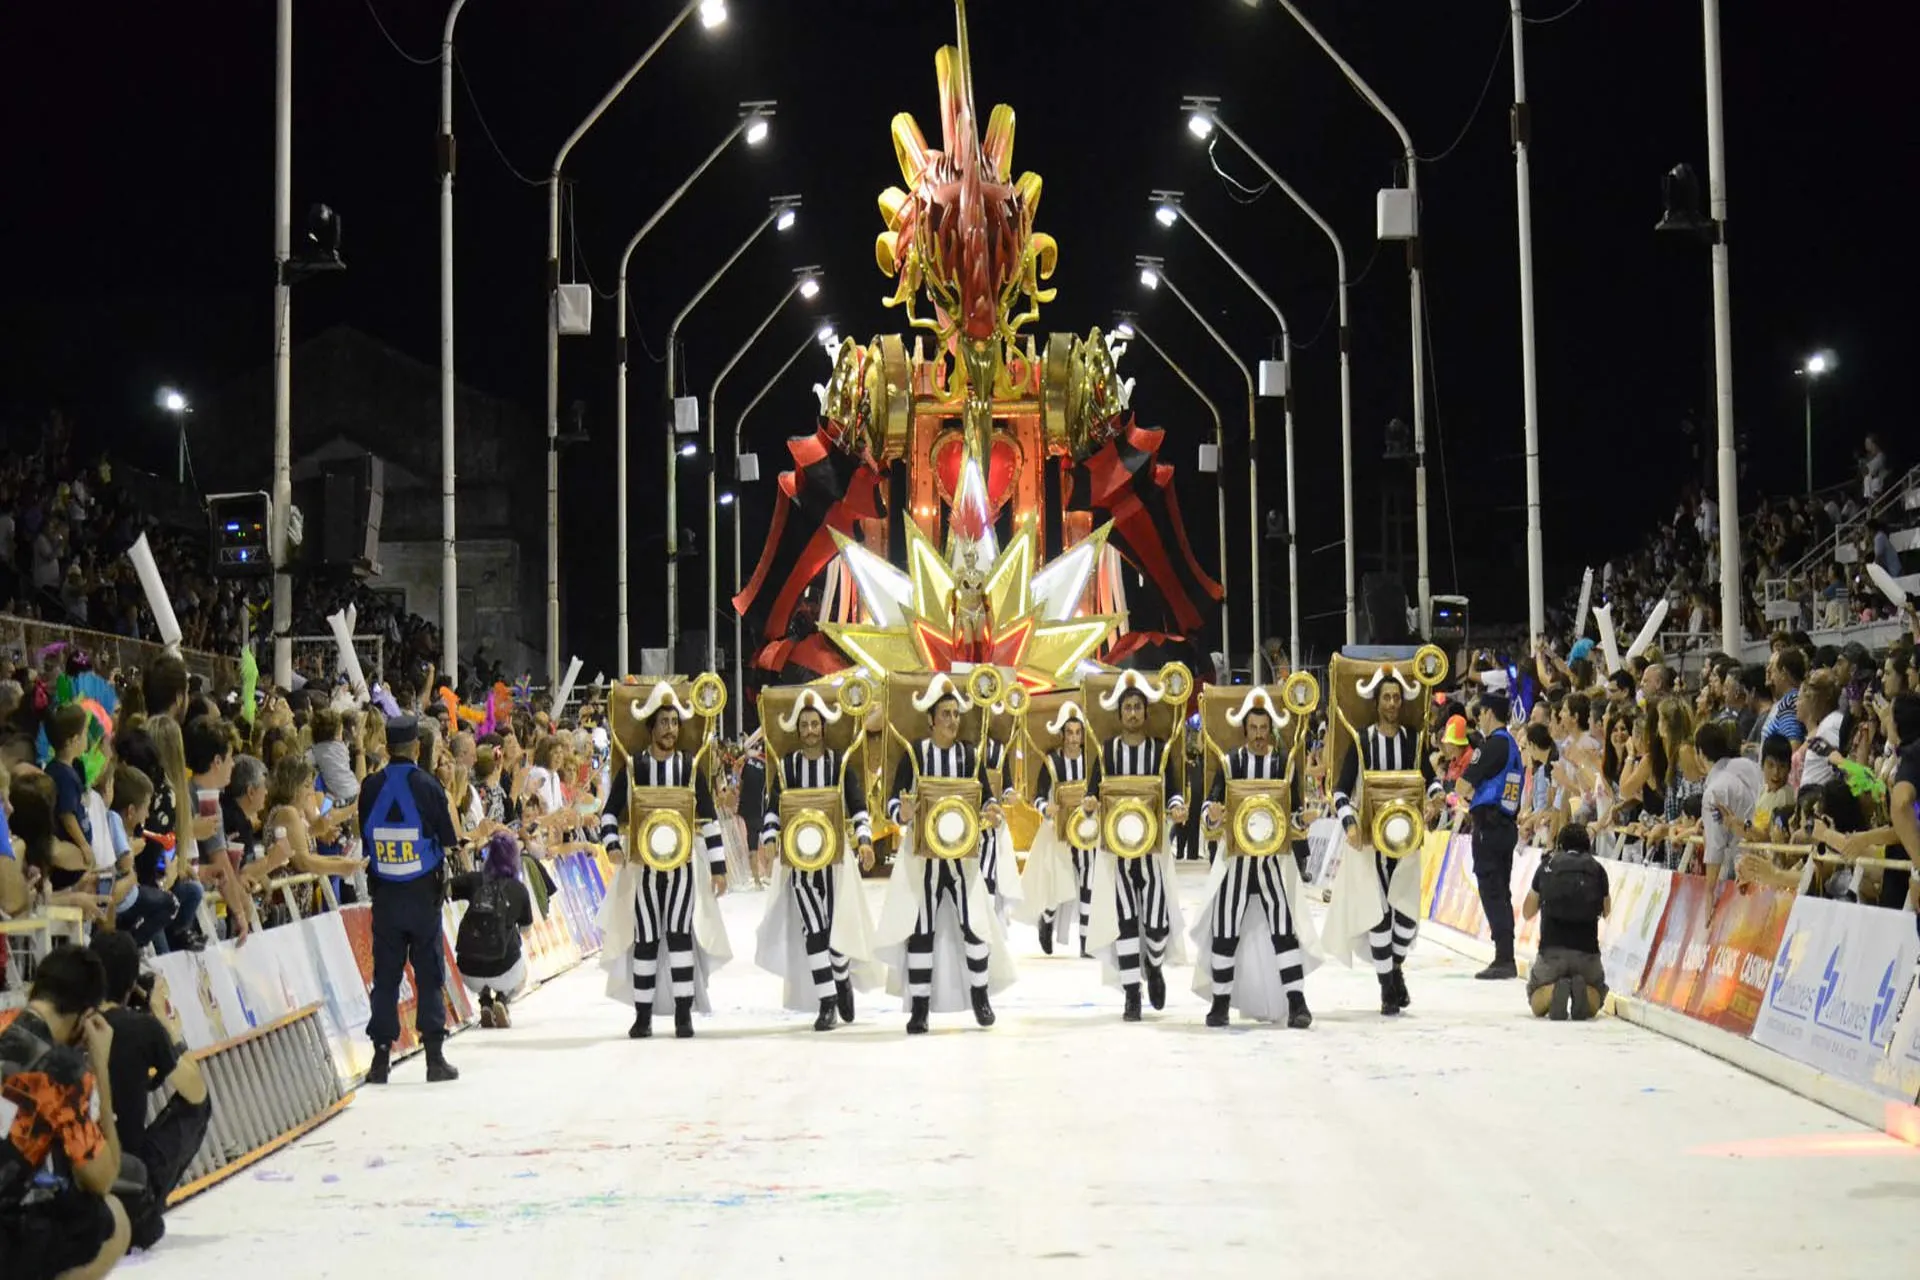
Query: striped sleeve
point(853, 797)
point(1343, 789)
point(770, 820)
point(610, 813)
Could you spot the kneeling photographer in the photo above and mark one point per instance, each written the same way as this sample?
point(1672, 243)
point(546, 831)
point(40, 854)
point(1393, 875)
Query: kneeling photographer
point(1570, 895)
point(146, 1055)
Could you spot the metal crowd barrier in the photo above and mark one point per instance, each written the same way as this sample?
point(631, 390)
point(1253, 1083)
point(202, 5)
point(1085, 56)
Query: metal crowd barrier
point(268, 1087)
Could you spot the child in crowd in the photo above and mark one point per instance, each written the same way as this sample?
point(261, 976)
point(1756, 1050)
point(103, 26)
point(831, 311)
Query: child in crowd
point(143, 911)
point(1774, 813)
point(331, 759)
point(67, 736)
point(209, 751)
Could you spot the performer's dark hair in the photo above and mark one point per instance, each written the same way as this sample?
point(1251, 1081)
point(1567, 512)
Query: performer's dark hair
point(1132, 691)
point(935, 708)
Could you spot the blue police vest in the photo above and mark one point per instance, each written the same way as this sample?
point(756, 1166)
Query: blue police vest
point(1502, 790)
point(400, 848)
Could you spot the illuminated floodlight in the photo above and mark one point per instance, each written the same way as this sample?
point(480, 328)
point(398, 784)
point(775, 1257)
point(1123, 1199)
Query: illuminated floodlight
point(1167, 215)
point(713, 13)
point(1200, 125)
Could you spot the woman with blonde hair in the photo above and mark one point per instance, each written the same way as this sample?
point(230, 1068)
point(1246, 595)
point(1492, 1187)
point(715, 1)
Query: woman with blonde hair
point(294, 823)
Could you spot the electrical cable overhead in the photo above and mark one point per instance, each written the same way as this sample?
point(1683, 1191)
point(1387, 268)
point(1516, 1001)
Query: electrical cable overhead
point(579, 259)
point(1541, 22)
point(418, 62)
point(1493, 69)
point(485, 130)
point(1238, 190)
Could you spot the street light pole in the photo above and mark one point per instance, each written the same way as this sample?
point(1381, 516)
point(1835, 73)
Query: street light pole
point(1131, 327)
point(1529, 381)
point(1730, 628)
point(1811, 370)
point(806, 283)
point(282, 344)
point(784, 211)
point(825, 337)
point(1153, 275)
point(449, 555)
point(1207, 110)
point(1416, 301)
point(553, 321)
point(755, 114)
point(1169, 203)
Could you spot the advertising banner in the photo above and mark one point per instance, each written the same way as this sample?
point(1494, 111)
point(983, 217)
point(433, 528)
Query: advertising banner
point(1526, 933)
point(358, 920)
point(1639, 895)
point(1456, 902)
point(345, 1008)
point(206, 995)
point(1833, 997)
point(1897, 1073)
point(1742, 939)
point(1680, 949)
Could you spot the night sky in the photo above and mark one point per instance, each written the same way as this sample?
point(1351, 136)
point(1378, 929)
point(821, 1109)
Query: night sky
point(138, 216)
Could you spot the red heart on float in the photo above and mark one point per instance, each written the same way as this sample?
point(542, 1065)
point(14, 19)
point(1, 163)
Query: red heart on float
point(1000, 465)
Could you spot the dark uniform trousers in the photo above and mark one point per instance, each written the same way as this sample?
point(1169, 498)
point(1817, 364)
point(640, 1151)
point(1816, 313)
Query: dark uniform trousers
point(406, 927)
point(1494, 836)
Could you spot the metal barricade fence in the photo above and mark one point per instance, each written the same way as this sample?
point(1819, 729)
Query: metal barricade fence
point(267, 1087)
point(318, 657)
point(26, 638)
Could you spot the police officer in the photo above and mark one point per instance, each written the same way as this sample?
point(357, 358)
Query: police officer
point(1492, 784)
point(407, 829)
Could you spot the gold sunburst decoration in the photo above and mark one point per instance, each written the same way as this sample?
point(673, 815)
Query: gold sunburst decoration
point(1032, 622)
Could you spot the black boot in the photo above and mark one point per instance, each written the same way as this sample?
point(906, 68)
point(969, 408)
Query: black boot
point(1297, 1015)
point(642, 1028)
point(1083, 945)
point(829, 1015)
point(1558, 1001)
point(382, 1065)
point(683, 1017)
point(439, 1070)
point(843, 997)
point(1502, 967)
point(1156, 985)
point(1389, 997)
point(1400, 985)
point(1132, 1013)
point(1221, 1013)
point(1579, 1006)
point(917, 1018)
point(982, 1010)
point(1046, 934)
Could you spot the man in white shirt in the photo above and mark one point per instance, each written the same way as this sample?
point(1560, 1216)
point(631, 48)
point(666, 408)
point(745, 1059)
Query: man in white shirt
point(1731, 793)
point(1825, 720)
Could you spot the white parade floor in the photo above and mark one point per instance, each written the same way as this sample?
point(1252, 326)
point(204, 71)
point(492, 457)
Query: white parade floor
point(1464, 1139)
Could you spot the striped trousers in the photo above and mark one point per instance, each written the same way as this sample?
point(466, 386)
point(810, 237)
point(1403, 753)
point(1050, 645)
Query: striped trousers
point(813, 896)
point(1247, 878)
point(942, 878)
point(663, 911)
point(1140, 893)
point(1083, 875)
point(1390, 939)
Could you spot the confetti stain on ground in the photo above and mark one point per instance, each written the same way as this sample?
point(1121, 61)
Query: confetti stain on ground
point(1066, 1136)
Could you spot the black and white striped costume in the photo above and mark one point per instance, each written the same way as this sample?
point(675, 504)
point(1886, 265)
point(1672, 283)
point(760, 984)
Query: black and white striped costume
point(663, 900)
point(1248, 876)
point(813, 890)
point(942, 877)
point(1393, 936)
point(1063, 768)
point(994, 756)
point(1139, 888)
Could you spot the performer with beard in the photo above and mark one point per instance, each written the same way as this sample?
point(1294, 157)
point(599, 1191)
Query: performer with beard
point(918, 940)
point(1058, 874)
point(1239, 878)
point(826, 904)
point(677, 907)
point(1375, 906)
point(1135, 919)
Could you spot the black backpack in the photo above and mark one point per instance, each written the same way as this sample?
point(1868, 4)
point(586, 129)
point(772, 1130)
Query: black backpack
point(487, 930)
point(1574, 888)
